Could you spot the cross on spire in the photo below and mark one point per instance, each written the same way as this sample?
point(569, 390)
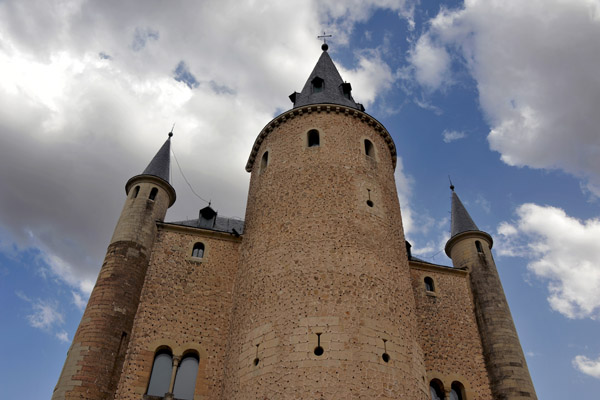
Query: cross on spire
point(324, 37)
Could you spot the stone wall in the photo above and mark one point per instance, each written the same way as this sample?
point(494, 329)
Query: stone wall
point(449, 335)
point(505, 361)
point(320, 267)
point(185, 305)
point(95, 358)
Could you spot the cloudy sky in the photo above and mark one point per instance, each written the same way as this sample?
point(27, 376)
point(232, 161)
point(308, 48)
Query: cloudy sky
point(503, 96)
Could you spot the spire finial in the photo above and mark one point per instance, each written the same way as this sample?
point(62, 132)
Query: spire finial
point(451, 185)
point(171, 133)
point(324, 47)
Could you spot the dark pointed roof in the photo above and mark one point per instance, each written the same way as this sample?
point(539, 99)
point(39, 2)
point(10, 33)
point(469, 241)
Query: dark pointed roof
point(334, 89)
point(160, 164)
point(461, 220)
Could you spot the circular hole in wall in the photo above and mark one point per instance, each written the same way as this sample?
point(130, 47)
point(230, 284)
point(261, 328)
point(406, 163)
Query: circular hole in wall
point(370, 203)
point(385, 357)
point(319, 351)
point(256, 361)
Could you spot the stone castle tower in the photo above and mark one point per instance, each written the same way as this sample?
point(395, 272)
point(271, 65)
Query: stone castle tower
point(315, 295)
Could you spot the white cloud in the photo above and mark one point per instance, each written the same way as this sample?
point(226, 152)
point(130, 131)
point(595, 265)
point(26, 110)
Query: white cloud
point(535, 64)
point(45, 314)
point(63, 336)
point(371, 77)
point(404, 184)
point(563, 252)
point(587, 366)
point(89, 90)
point(79, 301)
point(431, 63)
point(451, 136)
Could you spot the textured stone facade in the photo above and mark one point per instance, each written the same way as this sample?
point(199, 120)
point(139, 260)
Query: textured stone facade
point(185, 305)
point(449, 335)
point(508, 372)
point(95, 359)
point(318, 261)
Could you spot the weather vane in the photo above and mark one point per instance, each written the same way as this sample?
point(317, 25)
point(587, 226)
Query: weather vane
point(324, 37)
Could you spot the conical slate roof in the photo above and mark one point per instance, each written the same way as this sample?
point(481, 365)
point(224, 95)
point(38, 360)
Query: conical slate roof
point(461, 220)
point(333, 90)
point(160, 164)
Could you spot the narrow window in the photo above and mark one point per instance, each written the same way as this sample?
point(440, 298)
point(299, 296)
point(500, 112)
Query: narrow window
point(346, 89)
point(429, 284)
point(457, 392)
point(369, 150)
point(264, 162)
point(478, 246)
point(198, 250)
point(153, 193)
point(436, 390)
point(313, 138)
point(185, 380)
point(317, 84)
point(136, 191)
point(160, 378)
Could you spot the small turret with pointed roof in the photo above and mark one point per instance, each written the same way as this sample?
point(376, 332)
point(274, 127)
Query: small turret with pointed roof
point(160, 164)
point(461, 224)
point(461, 221)
point(158, 170)
point(325, 86)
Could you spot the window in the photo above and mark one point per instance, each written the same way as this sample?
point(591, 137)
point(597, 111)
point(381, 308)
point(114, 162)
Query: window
point(429, 284)
point(136, 191)
point(436, 390)
point(317, 84)
point(185, 380)
point(457, 392)
point(313, 138)
point(198, 250)
point(160, 378)
point(153, 193)
point(478, 246)
point(369, 150)
point(346, 89)
point(264, 162)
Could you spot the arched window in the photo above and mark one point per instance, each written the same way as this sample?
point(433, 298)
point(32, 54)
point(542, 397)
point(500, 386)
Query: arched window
point(313, 138)
point(436, 389)
point(185, 380)
point(264, 162)
point(429, 284)
point(198, 250)
point(153, 193)
point(160, 378)
point(478, 246)
point(136, 191)
point(369, 150)
point(458, 391)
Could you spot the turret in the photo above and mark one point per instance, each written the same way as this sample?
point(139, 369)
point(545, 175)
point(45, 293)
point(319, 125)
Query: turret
point(323, 306)
point(95, 358)
point(471, 249)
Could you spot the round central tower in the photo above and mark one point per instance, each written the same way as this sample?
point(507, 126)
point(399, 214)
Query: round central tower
point(323, 305)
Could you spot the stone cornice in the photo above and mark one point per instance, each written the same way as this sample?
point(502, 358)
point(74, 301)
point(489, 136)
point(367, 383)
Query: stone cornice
point(319, 108)
point(198, 231)
point(437, 268)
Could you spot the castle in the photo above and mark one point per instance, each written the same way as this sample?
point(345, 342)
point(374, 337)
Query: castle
point(314, 296)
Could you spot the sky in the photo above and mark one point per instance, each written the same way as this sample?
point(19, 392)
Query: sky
point(500, 95)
